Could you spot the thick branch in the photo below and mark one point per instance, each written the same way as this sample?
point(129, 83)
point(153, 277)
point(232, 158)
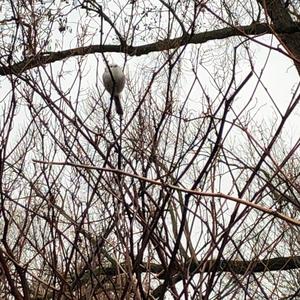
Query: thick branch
point(167, 44)
point(232, 266)
point(281, 18)
point(238, 267)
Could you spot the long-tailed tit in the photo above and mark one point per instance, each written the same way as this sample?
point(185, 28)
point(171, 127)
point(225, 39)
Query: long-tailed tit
point(114, 82)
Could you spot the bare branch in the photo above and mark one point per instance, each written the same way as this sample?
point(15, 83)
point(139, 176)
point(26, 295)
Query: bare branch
point(199, 38)
point(174, 187)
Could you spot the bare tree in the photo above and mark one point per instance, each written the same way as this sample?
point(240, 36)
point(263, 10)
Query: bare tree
point(192, 193)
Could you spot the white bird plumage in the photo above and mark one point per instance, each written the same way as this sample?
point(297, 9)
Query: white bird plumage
point(114, 82)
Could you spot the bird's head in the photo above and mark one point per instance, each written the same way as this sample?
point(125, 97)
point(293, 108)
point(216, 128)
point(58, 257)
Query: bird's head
point(111, 67)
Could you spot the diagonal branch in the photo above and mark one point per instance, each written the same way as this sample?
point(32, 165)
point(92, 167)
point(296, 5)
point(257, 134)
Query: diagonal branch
point(178, 188)
point(161, 45)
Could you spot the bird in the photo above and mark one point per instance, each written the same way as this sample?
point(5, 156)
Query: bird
point(114, 82)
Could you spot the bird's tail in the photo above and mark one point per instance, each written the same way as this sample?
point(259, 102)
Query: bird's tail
point(119, 108)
